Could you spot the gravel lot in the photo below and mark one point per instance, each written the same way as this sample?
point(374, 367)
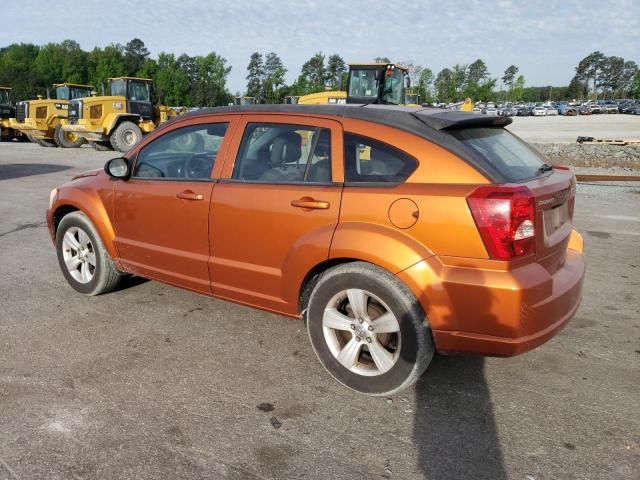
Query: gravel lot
point(567, 129)
point(153, 382)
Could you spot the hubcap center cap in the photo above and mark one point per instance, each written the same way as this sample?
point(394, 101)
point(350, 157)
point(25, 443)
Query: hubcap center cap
point(362, 330)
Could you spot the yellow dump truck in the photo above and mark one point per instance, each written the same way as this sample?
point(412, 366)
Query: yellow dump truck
point(367, 83)
point(40, 120)
point(120, 119)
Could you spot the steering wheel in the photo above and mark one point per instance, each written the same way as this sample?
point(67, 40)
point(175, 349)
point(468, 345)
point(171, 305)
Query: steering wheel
point(199, 165)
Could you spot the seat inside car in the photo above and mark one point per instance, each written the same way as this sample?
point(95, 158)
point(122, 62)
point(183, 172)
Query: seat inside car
point(286, 150)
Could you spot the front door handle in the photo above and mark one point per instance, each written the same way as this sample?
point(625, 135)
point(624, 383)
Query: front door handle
point(189, 195)
point(310, 203)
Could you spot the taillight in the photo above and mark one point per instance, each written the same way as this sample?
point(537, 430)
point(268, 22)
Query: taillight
point(505, 217)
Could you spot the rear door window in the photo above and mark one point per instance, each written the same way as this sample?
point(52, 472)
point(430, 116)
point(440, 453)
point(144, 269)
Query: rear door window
point(369, 161)
point(503, 152)
point(282, 153)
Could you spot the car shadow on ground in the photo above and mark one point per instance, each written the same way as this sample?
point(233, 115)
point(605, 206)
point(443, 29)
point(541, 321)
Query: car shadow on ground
point(18, 170)
point(454, 428)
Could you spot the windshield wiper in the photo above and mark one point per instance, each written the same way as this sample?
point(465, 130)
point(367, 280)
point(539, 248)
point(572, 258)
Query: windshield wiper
point(545, 167)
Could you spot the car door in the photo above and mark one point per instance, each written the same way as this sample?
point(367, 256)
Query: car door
point(162, 211)
point(275, 208)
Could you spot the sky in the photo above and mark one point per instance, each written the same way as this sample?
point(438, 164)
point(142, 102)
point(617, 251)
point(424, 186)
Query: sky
point(545, 38)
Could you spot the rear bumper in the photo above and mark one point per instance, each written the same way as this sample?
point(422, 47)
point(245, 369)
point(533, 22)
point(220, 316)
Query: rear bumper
point(474, 309)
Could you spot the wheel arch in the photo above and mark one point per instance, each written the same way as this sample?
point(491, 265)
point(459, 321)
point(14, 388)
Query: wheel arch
point(95, 211)
point(113, 120)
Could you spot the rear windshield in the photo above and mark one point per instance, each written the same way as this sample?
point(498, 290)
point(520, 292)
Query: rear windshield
point(502, 151)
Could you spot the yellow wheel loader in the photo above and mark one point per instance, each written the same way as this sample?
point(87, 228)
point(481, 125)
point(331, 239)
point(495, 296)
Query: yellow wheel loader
point(382, 83)
point(118, 120)
point(7, 111)
point(244, 100)
point(40, 120)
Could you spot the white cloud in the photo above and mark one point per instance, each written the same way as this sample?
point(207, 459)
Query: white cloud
point(545, 38)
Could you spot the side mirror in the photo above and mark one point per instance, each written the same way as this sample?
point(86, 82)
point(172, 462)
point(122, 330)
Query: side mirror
point(117, 168)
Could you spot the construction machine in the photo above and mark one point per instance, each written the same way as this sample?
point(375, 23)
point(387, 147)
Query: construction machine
point(412, 99)
point(367, 83)
point(120, 119)
point(291, 99)
point(243, 100)
point(41, 120)
point(7, 111)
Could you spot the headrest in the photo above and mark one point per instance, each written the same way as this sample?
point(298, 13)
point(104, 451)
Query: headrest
point(286, 148)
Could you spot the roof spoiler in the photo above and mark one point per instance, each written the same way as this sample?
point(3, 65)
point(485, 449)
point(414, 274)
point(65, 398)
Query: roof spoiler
point(449, 120)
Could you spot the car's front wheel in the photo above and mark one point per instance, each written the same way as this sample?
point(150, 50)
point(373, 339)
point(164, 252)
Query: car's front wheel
point(83, 259)
point(368, 330)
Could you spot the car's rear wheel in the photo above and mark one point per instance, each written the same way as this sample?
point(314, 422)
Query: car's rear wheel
point(126, 136)
point(83, 259)
point(368, 330)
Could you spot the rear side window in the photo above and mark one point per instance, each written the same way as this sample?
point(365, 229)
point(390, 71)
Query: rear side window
point(502, 151)
point(281, 153)
point(368, 160)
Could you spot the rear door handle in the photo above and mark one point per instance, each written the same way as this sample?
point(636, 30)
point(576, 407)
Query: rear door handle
point(189, 195)
point(310, 203)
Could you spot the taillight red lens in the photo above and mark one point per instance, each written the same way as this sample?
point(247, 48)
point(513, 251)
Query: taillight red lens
point(505, 217)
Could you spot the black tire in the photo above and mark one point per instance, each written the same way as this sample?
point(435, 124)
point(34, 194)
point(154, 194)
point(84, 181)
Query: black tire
point(105, 276)
point(63, 141)
point(101, 146)
point(415, 349)
point(126, 136)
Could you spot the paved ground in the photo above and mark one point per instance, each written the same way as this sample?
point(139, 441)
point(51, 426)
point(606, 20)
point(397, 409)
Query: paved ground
point(152, 382)
point(567, 129)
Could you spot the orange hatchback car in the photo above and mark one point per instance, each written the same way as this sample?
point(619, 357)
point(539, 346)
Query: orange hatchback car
point(394, 232)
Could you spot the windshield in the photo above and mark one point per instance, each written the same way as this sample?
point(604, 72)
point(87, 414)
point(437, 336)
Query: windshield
point(118, 88)
point(393, 84)
point(4, 97)
point(502, 151)
point(411, 98)
point(70, 93)
point(139, 91)
point(363, 83)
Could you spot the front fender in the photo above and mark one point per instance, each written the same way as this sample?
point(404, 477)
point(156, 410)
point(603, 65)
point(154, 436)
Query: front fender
point(96, 205)
point(112, 119)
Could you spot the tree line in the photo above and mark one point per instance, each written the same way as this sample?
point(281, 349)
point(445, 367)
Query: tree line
point(202, 80)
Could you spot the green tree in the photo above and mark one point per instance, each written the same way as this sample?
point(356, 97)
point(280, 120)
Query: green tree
point(459, 78)
point(314, 71)
point(106, 63)
point(17, 70)
point(425, 84)
point(517, 92)
point(445, 89)
point(274, 77)
point(135, 56)
point(255, 75)
point(590, 70)
point(509, 77)
point(61, 62)
point(336, 68)
point(576, 89)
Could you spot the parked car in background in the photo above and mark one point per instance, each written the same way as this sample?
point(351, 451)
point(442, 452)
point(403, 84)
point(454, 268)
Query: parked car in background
point(508, 112)
point(393, 232)
point(492, 111)
point(539, 111)
point(570, 112)
point(551, 111)
point(595, 108)
point(585, 110)
point(610, 108)
point(523, 112)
